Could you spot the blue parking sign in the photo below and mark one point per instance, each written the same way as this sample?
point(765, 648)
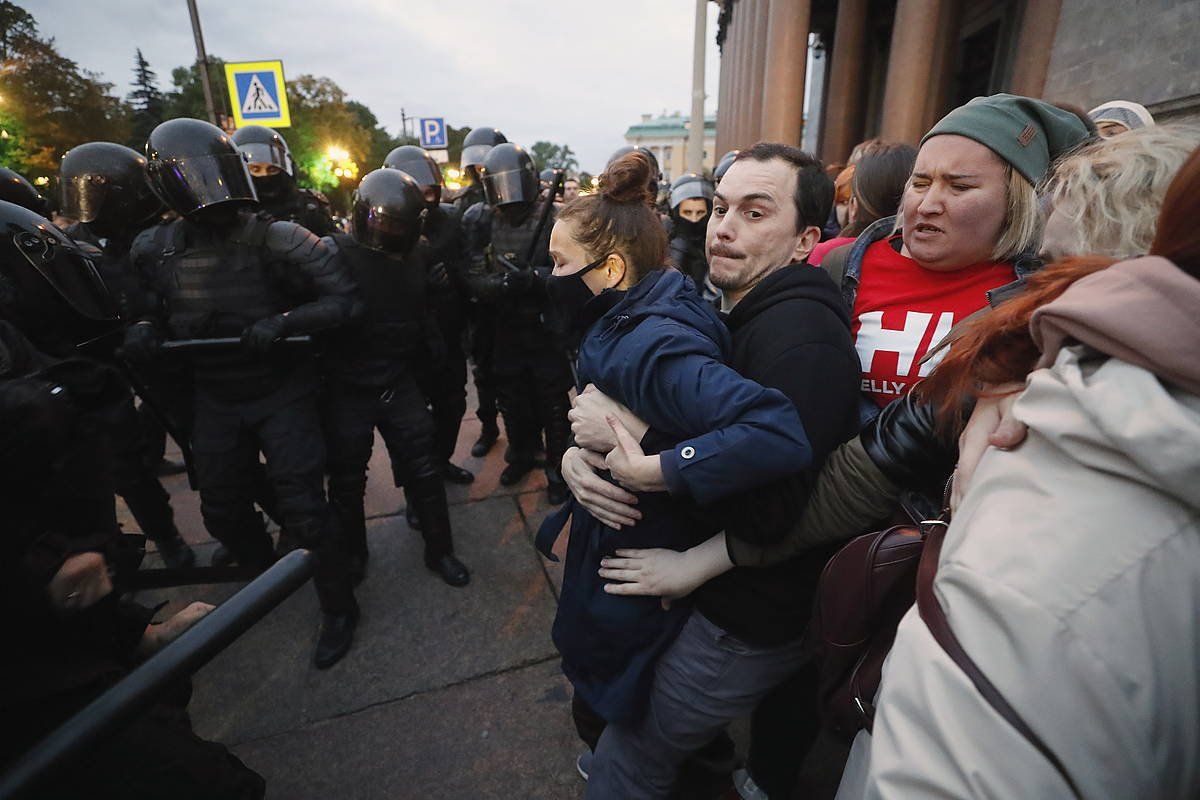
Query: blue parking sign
point(433, 133)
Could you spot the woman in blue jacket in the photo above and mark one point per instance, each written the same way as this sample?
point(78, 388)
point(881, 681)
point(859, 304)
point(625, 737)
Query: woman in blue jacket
point(647, 339)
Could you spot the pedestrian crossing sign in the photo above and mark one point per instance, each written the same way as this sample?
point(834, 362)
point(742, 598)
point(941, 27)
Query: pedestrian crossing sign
point(257, 94)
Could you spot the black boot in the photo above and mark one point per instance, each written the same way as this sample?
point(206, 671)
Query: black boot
point(222, 556)
point(487, 439)
point(410, 516)
point(337, 634)
point(450, 569)
point(427, 497)
point(514, 472)
point(456, 474)
point(175, 551)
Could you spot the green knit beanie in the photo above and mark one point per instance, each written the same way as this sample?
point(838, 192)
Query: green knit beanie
point(1029, 134)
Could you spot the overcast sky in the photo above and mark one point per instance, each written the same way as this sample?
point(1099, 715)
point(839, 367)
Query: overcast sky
point(577, 72)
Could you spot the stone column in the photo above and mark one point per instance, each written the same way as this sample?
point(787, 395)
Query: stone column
point(724, 112)
point(910, 69)
point(783, 75)
point(944, 52)
point(1039, 22)
point(846, 104)
point(759, 68)
point(742, 84)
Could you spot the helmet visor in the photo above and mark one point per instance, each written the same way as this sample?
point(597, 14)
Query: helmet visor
point(268, 153)
point(64, 266)
point(474, 155)
point(510, 186)
point(379, 230)
point(195, 182)
point(84, 197)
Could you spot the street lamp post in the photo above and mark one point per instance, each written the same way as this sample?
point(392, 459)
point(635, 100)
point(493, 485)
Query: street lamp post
point(695, 143)
point(202, 59)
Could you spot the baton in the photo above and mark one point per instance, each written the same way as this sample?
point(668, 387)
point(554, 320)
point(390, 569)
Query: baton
point(223, 343)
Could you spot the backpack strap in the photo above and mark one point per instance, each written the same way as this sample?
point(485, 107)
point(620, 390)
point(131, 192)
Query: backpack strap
point(934, 618)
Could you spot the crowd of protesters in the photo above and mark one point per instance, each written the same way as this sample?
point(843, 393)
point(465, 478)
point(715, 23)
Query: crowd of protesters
point(977, 359)
point(995, 343)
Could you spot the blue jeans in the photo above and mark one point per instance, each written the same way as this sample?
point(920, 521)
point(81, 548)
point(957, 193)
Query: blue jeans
point(705, 680)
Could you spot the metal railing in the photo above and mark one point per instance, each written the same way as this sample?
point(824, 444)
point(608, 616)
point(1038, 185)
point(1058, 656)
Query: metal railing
point(138, 690)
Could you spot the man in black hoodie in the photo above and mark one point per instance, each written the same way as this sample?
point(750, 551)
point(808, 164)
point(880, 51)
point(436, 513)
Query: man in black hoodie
point(790, 332)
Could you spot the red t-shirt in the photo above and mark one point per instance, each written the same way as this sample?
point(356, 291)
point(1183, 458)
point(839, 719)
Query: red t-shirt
point(818, 253)
point(903, 309)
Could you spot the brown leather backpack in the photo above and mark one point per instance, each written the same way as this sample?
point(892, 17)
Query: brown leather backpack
point(864, 591)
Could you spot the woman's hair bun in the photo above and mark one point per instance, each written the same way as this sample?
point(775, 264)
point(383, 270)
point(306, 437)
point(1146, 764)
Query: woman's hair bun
point(627, 180)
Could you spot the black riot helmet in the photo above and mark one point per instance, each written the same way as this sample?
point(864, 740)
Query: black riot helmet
point(14, 188)
point(509, 176)
point(478, 143)
point(688, 186)
point(724, 164)
point(55, 278)
point(105, 185)
point(269, 162)
point(262, 145)
point(421, 167)
point(195, 165)
point(389, 211)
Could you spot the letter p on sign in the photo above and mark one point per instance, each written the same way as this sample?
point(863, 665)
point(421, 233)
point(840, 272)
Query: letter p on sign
point(433, 133)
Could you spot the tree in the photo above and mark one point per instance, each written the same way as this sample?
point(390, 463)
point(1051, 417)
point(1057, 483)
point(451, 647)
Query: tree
point(147, 101)
point(555, 156)
point(454, 143)
point(187, 99)
point(49, 104)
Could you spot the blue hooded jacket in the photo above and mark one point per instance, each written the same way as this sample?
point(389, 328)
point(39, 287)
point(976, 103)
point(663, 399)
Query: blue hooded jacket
point(661, 351)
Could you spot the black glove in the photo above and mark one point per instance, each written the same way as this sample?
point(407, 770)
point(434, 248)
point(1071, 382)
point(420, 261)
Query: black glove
point(517, 284)
point(438, 277)
point(90, 384)
point(262, 335)
point(906, 445)
point(141, 343)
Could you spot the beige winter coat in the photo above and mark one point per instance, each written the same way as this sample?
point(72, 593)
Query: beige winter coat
point(1071, 575)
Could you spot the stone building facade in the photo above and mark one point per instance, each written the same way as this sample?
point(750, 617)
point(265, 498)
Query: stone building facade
point(894, 67)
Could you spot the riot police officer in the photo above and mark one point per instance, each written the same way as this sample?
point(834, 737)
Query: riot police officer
point(532, 372)
point(105, 187)
point(223, 271)
point(372, 372)
point(444, 383)
point(16, 188)
point(723, 166)
point(476, 225)
point(274, 174)
point(691, 205)
point(476, 145)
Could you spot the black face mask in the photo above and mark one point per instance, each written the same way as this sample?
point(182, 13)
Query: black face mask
point(273, 188)
point(568, 295)
point(690, 229)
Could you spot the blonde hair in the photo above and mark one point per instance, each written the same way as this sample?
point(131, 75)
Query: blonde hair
point(1022, 228)
point(1112, 190)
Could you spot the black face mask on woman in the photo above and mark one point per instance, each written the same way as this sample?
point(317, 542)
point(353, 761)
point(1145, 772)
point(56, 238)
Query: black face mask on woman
point(568, 297)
